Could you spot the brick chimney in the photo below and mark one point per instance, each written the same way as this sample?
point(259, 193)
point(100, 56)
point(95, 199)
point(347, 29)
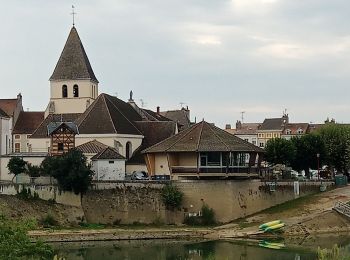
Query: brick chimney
point(238, 124)
point(158, 110)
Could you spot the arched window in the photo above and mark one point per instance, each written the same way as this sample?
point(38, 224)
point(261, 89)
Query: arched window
point(128, 151)
point(75, 91)
point(64, 91)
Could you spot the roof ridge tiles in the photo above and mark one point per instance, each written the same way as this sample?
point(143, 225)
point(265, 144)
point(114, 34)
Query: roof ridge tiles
point(108, 97)
point(109, 113)
point(211, 129)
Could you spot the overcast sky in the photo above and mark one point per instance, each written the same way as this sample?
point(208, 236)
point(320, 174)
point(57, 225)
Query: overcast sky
point(219, 57)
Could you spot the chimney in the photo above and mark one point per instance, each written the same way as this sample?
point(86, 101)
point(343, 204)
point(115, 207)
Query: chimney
point(228, 126)
point(158, 110)
point(238, 124)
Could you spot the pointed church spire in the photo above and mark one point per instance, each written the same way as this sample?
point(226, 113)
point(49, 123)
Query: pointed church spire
point(73, 63)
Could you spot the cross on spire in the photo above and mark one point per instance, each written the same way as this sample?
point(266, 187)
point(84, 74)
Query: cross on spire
point(73, 13)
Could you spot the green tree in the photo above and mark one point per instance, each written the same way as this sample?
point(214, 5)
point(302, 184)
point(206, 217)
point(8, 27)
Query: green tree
point(307, 148)
point(33, 170)
point(172, 197)
point(280, 151)
point(336, 139)
point(70, 170)
point(16, 165)
point(15, 243)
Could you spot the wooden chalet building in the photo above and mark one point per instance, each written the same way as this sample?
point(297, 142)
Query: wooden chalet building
point(203, 151)
point(62, 137)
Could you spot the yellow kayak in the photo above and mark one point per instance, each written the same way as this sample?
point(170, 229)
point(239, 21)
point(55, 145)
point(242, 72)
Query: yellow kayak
point(274, 227)
point(272, 245)
point(269, 224)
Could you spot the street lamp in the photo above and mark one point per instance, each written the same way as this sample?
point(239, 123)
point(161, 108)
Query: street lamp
point(318, 165)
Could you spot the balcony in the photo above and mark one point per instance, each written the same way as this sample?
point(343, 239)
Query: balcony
point(214, 170)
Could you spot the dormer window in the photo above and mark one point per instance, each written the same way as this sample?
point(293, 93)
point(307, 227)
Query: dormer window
point(288, 131)
point(64, 91)
point(300, 131)
point(75, 91)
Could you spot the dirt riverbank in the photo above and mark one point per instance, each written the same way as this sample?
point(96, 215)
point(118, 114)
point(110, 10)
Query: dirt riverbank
point(303, 217)
point(306, 216)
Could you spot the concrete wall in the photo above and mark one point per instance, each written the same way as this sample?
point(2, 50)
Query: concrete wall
point(5, 135)
point(129, 202)
point(39, 144)
point(5, 175)
point(141, 201)
point(236, 199)
point(108, 170)
point(45, 192)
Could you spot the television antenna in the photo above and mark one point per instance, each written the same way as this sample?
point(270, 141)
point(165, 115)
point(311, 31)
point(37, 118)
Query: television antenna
point(242, 116)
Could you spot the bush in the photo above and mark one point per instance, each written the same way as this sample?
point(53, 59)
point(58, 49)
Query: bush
point(208, 215)
point(49, 221)
point(27, 195)
point(33, 170)
point(16, 244)
point(158, 221)
point(172, 197)
point(336, 253)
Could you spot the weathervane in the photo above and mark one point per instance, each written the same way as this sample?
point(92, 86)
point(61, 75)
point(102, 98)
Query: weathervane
point(73, 13)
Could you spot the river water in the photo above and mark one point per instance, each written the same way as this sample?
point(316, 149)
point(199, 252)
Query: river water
point(295, 249)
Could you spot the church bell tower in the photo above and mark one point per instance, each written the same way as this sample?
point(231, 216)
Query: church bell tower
point(73, 84)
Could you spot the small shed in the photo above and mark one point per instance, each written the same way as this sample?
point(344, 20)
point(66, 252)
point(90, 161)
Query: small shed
point(108, 165)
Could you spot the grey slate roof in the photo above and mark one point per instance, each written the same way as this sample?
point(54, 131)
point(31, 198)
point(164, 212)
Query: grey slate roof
point(203, 137)
point(153, 132)
point(179, 116)
point(41, 131)
point(273, 124)
point(108, 153)
point(73, 62)
point(53, 126)
point(245, 129)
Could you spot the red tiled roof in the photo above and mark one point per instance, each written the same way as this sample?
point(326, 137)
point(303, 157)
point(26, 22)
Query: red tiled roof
point(27, 122)
point(8, 106)
point(294, 127)
point(108, 153)
point(93, 146)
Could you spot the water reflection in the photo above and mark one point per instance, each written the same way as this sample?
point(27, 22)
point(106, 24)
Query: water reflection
point(177, 250)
